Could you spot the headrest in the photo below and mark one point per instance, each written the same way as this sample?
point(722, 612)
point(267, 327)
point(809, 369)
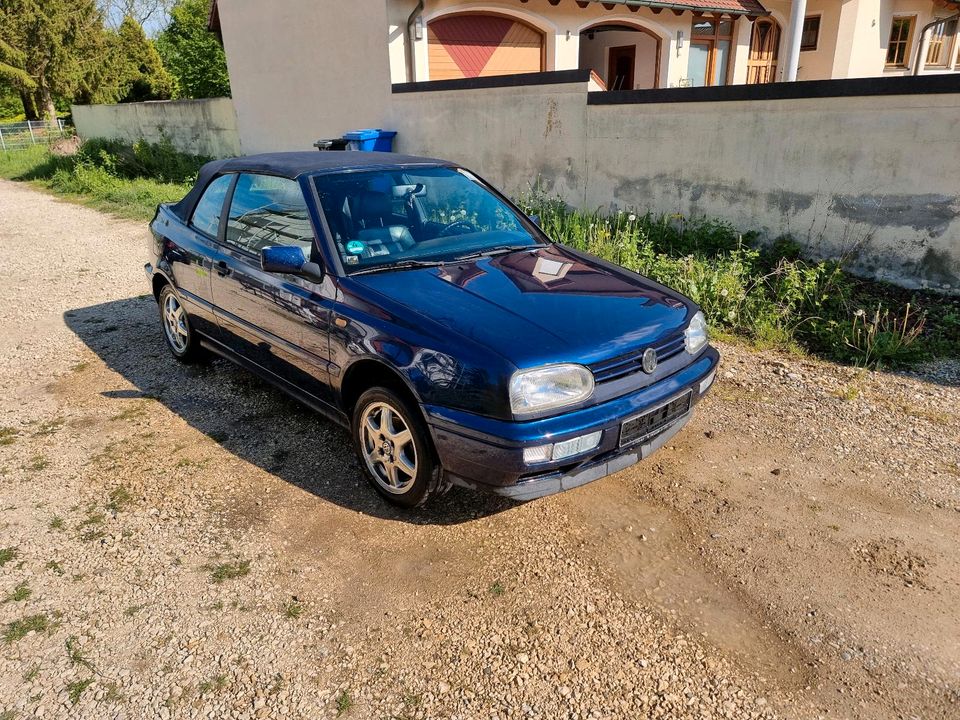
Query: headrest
point(372, 204)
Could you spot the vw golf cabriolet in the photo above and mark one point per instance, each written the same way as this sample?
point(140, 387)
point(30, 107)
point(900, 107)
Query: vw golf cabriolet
point(408, 300)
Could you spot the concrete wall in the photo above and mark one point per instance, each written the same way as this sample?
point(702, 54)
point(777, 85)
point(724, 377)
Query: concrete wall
point(860, 176)
point(199, 127)
point(301, 70)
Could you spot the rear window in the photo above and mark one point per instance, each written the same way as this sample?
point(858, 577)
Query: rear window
point(206, 216)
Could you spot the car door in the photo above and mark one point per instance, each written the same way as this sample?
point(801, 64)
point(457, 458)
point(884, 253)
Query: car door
point(278, 321)
point(189, 251)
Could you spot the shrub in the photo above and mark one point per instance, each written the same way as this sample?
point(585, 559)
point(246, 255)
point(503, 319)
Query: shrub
point(770, 295)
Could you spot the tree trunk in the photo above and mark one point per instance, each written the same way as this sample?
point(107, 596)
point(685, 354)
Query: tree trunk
point(29, 105)
point(46, 104)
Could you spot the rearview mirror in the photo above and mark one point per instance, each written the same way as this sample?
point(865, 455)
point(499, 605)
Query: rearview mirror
point(535, 219)
point(289, 259)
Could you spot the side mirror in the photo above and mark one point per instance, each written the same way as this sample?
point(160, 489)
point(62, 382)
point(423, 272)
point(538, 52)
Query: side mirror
point(535, 219)
point(289, 259)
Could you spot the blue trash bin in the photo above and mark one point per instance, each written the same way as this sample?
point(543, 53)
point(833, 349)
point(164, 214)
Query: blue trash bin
point(370, 140)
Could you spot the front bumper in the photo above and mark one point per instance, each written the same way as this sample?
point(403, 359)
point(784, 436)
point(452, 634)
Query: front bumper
point(487, 454)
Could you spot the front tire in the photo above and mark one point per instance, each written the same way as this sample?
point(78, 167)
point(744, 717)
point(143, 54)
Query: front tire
point(394, 449)
point(180, 338)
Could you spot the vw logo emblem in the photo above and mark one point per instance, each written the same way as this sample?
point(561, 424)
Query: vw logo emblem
point(649, 361)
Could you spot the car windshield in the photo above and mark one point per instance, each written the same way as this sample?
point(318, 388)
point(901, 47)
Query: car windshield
point(391, 219)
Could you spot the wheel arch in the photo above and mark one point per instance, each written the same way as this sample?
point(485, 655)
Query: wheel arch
point(367, 373)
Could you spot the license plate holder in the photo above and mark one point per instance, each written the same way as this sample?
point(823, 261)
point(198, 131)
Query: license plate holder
point(642, 427)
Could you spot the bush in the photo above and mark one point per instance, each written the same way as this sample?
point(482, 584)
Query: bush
point(770, 295)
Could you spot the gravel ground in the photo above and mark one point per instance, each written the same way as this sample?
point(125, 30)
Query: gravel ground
point(185, 542)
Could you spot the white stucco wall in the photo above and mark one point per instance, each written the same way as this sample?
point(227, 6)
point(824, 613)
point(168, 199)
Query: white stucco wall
point(200, 127)
point(845, 176)
point(305, 69)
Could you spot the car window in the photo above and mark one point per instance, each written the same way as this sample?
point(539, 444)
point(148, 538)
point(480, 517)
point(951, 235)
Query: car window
point(206, 216)
point(382, 217)
point(267, 210)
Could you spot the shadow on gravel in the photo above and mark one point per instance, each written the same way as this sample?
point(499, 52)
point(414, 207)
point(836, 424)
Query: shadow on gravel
point(249, 417)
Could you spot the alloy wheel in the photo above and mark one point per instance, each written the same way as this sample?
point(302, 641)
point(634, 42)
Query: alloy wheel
point(175, 324)
point(388, 447)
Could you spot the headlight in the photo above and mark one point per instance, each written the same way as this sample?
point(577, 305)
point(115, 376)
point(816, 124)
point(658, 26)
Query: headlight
point(695, 336)
point(549, 387)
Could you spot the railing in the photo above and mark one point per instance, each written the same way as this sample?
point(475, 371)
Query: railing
point(18, 135)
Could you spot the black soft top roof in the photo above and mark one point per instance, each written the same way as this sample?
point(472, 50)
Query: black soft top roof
point(292, 165)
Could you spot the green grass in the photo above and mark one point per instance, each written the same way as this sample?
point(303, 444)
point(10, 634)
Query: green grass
point(228, 571)
point(8, 435)
point(19, 629)
point(8, 554)
point(122, 179)
point(293, 610)
point(20, 593)
point(344, 702)
point(77, 688)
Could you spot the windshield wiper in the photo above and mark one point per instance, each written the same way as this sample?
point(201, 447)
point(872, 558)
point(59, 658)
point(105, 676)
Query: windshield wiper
point(401, 265)
point(498, 250)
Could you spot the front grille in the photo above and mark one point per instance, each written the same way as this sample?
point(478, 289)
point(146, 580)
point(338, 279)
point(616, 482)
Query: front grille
point(632, 362)
point(650, 423)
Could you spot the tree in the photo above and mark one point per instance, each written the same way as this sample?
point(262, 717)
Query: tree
point(192, 54)
point(58, 48)
point(142, 11)
point(139, 70)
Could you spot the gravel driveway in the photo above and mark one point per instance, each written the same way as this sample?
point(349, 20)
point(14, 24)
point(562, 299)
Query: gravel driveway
point(179, 542)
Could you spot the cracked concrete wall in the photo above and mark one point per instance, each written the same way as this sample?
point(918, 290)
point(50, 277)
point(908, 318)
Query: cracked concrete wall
point(871, 179)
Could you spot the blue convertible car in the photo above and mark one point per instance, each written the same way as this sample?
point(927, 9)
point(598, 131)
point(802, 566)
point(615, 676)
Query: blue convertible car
point(410, 301)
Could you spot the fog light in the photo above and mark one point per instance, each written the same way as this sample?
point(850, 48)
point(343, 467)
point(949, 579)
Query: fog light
point(707, 382)
point(533, 455)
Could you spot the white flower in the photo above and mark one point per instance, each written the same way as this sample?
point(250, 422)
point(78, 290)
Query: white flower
point(723, 293)
point(631, 217)
point(859, 313)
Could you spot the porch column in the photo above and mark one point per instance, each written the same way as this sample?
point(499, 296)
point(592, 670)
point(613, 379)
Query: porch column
point(798, 10)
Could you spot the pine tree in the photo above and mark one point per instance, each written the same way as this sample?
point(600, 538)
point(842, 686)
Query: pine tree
point(58, 48)
point(140, 70)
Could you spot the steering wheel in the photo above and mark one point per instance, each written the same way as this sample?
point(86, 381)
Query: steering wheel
point(467, 227)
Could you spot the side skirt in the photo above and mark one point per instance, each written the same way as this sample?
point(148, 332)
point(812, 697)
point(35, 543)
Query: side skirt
point(328, 411)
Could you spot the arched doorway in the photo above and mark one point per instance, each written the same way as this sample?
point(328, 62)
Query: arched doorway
point(469, 45)
point(764, 49)
point(625, 57)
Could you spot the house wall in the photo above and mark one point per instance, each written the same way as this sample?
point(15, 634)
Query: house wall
point(561, 24)
point(199, 127)
point(595, 54)
point(858, 175)
point(305, 69)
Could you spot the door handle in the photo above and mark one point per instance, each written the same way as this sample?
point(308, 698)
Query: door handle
point(222, 269)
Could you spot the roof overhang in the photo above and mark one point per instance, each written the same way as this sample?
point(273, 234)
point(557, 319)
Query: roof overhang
point(751, 8)
point(213, 20)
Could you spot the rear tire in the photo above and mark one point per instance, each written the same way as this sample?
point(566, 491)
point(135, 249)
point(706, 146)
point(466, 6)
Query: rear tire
point(394, 448)
point(182, 342)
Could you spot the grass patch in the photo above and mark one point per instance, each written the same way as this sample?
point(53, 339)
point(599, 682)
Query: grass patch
point(37, 463)
point(120, 178)
point(56, 523)
point(120, 497)
point(497, 589)
point(293, 610)
point(49, 427)
point(8, 554)
point(8, 435)
point(75, 655)
point(20, 593)
point(214, 684)
point(344, 702)
point(769, 295)
point(77, 688)
point(133, 610)
point(228, 571)
point(19, 629)
point(55, 567)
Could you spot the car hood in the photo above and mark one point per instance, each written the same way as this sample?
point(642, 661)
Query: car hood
point(548, 304)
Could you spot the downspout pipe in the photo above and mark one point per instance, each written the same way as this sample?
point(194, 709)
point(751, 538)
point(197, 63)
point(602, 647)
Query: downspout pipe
point(923, 44)
point(408, 43)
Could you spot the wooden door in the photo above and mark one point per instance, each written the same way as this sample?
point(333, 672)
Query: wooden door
point(621, 66)
point(764, 48)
